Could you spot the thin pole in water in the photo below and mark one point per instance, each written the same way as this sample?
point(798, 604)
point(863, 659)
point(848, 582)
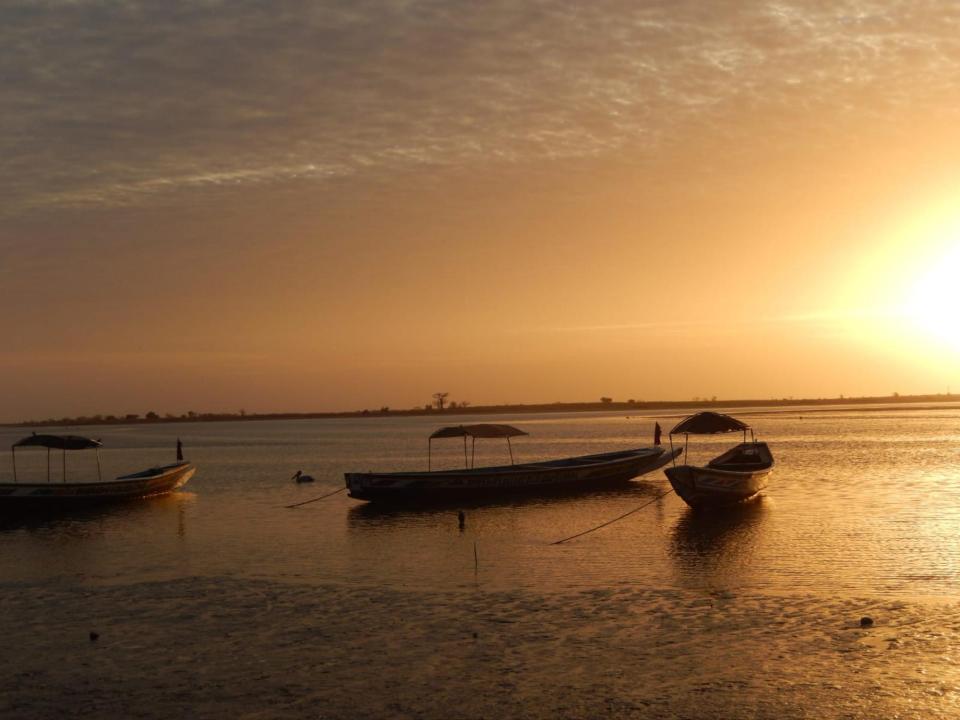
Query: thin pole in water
point(465, 465)
point(48, 464)
point(13, 453)
point(476, 558)
point(510, 448)
point(64, 465)
point(99, 473)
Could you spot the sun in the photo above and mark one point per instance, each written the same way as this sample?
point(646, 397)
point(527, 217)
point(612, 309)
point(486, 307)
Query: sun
point(902, 296)
point(932, 302)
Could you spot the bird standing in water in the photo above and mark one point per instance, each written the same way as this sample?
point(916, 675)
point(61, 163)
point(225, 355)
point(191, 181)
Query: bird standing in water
point(301, 478)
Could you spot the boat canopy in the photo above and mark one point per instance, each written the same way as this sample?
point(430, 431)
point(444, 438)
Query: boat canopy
point(709, 423)
point(483, 430)
point(58, 442)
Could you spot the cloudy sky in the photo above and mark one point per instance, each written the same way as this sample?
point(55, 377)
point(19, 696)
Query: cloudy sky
point(293, 205)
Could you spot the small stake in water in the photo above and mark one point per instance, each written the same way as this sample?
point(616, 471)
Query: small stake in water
point(462, 519)
point(476, 560)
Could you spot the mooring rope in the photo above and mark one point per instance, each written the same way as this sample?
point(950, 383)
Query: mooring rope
point(611, 522)
point(305, 502)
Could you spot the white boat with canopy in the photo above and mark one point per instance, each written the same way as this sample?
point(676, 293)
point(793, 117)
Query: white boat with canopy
point(154, 481)
point(737, 475)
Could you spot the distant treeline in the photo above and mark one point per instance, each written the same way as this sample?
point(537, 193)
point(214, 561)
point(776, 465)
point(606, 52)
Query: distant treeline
point(633, 406)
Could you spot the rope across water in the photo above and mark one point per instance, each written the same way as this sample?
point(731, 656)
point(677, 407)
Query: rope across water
point(305, 502)
point(611, 522)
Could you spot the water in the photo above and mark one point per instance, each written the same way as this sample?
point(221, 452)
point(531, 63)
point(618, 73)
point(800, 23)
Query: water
point(863, 502)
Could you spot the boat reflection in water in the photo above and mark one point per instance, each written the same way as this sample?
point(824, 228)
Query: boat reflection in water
point(717, 548)
point(558, 505)
point(90, 519)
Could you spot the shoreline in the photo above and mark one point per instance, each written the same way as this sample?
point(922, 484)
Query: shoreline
point(637, 407)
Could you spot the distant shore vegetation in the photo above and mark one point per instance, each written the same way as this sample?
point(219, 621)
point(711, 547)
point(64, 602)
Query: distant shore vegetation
point(441, 405)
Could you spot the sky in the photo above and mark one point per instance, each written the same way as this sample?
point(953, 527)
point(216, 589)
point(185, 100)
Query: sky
point(299, 206)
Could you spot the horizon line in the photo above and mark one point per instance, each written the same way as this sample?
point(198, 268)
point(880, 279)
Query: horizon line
point(555, 406)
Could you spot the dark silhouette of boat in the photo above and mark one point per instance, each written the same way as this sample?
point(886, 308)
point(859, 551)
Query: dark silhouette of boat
point(146, 483)
point(737, 475)
point(574, 474)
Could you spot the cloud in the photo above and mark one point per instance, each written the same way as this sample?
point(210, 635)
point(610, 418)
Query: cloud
point(110, 102)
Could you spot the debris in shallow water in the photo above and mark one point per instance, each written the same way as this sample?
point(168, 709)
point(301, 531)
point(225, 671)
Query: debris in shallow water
point(94, 636)
point(866, 621)
point(462, 519)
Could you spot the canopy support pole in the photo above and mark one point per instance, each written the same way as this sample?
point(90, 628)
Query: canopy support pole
point(671, 449)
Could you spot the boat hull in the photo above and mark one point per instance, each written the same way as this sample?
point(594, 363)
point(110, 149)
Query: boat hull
point(155, 481)
point(568, 475)
point(710, 487)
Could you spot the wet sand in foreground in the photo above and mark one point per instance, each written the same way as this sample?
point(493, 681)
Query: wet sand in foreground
point(215, 648)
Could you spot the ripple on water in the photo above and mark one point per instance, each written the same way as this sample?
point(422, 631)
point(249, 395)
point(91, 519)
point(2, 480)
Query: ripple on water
point(860, 503)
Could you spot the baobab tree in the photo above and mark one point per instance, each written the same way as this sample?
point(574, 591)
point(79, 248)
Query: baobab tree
point(440, 398)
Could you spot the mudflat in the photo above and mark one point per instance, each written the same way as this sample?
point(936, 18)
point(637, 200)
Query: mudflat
point(208, 647)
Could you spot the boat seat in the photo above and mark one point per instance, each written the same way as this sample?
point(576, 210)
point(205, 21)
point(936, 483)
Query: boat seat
point(739, 466)
point(738, 462)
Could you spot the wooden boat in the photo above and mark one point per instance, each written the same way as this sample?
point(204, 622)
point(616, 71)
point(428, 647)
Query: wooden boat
point(572, 474)
point(736, 476)
point(146, 483)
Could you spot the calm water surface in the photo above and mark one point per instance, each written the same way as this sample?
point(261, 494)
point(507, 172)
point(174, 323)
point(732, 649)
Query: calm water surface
point(863, 501)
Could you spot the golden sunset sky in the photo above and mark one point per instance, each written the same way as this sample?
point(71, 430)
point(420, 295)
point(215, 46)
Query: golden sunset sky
point(283, 205)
